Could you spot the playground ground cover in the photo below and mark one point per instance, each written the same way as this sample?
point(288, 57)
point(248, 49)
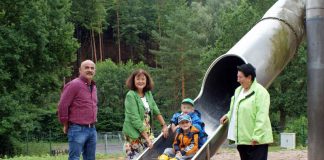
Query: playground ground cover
point(275, 153)
point(118, 156)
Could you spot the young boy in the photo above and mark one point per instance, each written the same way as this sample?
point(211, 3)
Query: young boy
point(187, 107)
point(185, 144)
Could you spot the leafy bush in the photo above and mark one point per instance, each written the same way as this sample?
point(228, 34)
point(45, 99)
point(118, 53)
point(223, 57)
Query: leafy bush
point(298, 126)
point(110, 78)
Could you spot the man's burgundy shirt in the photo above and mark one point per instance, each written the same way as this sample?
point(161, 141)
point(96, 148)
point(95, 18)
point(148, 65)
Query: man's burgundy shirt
point(78, 103)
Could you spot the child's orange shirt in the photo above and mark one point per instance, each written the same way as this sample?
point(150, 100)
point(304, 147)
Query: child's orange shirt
point(187, 144)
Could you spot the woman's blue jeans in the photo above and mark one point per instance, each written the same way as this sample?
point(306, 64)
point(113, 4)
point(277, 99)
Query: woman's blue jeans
point(82, 140)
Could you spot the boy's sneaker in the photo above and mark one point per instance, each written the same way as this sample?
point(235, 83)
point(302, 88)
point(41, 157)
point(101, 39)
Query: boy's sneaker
point(163, 157)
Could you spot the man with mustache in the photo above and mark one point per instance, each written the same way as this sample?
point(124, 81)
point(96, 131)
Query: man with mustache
point(77, 111)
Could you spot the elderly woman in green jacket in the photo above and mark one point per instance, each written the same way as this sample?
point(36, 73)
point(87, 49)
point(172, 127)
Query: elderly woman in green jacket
point(248, 117)
point(140, 107)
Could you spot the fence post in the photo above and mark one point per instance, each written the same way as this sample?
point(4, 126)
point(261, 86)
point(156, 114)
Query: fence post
point(106, 143)
point(27, 152)
point(120, 139)
point(50, 141)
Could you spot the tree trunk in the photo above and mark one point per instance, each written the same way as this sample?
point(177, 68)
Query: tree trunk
point(79, 52)
point(91, 45)
point(183, 89)
point(118, 34)
point(94, 46)
point(183, 86)
point(282, 122)
point(100, 43)
point(175, 95)
point(132, 52)
point(159, 28)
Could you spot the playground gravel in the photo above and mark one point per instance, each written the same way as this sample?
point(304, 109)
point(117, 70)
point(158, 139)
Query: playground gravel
point(282, 154)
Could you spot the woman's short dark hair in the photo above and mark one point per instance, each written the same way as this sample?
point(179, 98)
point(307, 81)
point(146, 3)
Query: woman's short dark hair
point(130, 82)
point(247, 70)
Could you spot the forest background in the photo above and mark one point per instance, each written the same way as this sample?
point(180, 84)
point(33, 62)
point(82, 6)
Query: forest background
point(43, 42)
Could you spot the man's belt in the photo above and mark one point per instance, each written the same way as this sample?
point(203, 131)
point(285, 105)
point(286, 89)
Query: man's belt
point(84, 125)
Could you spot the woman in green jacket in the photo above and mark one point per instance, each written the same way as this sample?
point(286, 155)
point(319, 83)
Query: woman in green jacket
point(249, 122)
point(140, 107)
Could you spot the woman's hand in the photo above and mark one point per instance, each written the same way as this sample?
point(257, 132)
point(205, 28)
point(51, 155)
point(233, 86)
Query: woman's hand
point(149, 143)
point(147, 139)
point(254, 142)
point(165, 131)
point(223, 120)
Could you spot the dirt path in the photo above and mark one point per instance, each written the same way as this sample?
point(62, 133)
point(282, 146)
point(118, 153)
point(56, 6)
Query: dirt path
point(232, 154)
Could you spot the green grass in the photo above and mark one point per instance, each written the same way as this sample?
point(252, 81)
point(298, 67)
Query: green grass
point(271, 149)
point(278, 148)
point(274, 148)
point(43, 157)
point(65, 157)
point(42, 148)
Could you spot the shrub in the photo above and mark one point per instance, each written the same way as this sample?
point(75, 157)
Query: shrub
point(298, 126)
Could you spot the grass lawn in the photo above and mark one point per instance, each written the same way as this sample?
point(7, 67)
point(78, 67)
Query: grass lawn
point(44, 148)
point(65, 157)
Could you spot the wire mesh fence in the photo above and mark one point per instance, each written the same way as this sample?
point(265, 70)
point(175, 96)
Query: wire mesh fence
point(109, 142)
point(56, 144)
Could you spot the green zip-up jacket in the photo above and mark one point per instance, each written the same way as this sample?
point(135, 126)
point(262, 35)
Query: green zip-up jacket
point(134, 113)
point(252, 116)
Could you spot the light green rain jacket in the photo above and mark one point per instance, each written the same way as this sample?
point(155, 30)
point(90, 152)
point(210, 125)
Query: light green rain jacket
point(252, 116)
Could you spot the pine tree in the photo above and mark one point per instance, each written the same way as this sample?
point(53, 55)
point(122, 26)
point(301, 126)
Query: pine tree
point(37, 48)
point(179, 53)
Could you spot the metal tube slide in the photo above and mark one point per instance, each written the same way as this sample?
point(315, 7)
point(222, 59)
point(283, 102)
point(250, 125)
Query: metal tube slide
point(269, 46)
point(315, 71)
